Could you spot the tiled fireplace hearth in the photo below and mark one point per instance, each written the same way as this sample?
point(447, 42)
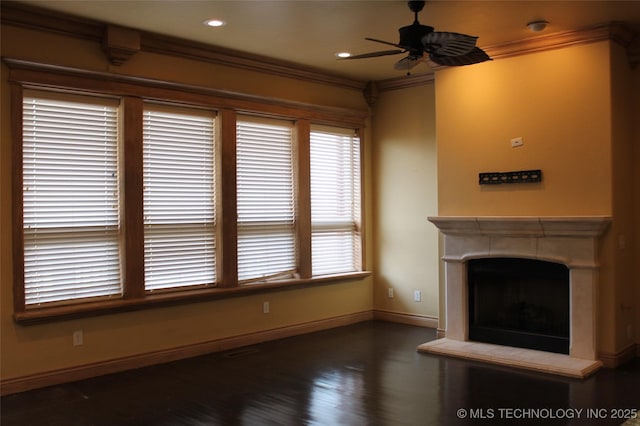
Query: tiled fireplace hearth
point(571, 241)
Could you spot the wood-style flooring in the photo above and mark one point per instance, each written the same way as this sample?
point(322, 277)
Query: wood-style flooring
point(364, 374)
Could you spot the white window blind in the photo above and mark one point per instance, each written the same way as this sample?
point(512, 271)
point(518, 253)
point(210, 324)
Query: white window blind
point(179, 197)
point(266, 235)
point(70, 198)
point(335, 201)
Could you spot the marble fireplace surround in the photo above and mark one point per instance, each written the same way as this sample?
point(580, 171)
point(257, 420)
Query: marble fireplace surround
point(572, 241)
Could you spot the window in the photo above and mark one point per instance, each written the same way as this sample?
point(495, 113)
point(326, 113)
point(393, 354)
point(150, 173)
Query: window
point(70, 198)
point(150, 193)
point(265, 199)
point(335, 201)
point(179, 198)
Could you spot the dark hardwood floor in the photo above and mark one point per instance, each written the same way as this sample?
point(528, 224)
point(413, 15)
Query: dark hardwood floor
point(363, 374)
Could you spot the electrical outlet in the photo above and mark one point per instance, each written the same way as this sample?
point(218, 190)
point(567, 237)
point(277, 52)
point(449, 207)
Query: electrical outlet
point(516, 142)
point(78, 338)
point(265, 307)
point(390, 293)
point(417, 295)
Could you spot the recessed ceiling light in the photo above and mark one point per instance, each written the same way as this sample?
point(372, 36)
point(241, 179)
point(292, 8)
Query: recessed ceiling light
point(343, 54)
point(214, 22)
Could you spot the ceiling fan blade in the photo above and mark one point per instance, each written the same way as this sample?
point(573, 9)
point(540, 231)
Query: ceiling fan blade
point(375, 54)
point(384, 42)
point(405, 64)
point(448, 44)
point(475, 56)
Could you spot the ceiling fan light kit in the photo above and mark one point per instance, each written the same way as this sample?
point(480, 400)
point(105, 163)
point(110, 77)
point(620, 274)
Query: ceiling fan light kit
point(442, 48)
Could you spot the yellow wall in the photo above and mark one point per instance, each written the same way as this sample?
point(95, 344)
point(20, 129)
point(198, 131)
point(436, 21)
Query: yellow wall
point(560, 110)
point(36, 349)
point(406, 245)
point(576, 126)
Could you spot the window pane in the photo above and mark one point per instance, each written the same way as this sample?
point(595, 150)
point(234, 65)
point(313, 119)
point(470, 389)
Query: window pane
point(335, 202)
point(70, 198)
point(179, 198)
point(266, 237)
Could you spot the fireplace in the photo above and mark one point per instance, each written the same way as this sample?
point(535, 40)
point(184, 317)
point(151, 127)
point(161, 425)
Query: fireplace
point(570, 242)
point(519, 302)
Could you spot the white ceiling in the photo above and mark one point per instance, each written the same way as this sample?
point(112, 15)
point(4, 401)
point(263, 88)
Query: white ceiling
point(310, 32)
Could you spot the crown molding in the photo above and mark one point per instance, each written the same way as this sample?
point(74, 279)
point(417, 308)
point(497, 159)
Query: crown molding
point(405, 82)
point(31, 17)
point(617, 32)
point(168, 45)
point(27, 16)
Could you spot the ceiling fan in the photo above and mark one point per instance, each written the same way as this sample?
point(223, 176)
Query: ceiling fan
point(443, 48)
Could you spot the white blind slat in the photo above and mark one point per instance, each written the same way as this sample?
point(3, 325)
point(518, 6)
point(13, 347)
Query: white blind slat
point(265, 200)
point(335, 202)
point(179, 197)
point(70, 198)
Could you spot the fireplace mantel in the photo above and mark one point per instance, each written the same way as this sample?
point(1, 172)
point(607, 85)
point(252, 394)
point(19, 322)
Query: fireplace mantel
point(518, 226)
point(568, 240)
point(572, 241)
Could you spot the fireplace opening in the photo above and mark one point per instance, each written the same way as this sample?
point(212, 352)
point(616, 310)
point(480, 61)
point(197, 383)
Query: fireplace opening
point(519, 302)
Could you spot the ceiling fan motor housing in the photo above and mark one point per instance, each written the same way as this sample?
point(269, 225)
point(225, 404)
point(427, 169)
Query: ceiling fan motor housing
point(411, 36)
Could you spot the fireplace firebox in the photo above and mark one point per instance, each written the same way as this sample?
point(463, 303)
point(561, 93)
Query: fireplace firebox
point(519, 302)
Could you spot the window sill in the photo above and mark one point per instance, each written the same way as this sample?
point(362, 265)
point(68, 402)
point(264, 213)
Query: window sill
point(152, 300)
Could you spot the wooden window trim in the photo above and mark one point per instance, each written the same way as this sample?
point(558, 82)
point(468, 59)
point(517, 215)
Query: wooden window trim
point(35, 74)
point(132, 205)
point(159, 299)
point(303, 182)
point(133, 92)
point(17, 94)
point(228, 241)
